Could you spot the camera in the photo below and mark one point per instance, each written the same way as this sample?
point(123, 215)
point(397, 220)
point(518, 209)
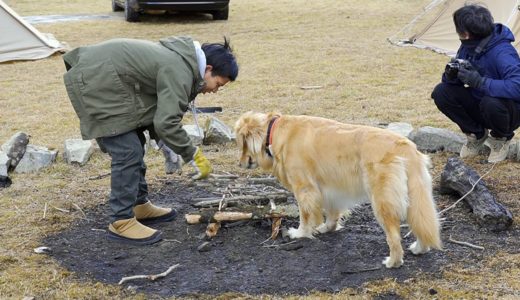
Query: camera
point(452, 68)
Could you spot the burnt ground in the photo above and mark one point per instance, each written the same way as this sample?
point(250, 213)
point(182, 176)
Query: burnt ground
point(236, 260)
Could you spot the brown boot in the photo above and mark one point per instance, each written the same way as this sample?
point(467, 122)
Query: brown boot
point(148, 213)
point(132, 232)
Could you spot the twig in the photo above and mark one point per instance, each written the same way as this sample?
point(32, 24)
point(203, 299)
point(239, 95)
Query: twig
point(360, 270)
point(262, 180)
point(216, 201)
point(172, 240)
point(44, 210)
point(311, 87)
point(465, 244)
point(60, 209)
point(79, 208)
point(471, 190)
point(441, 220)
point(224, 176)
point(278, 245)
point(99, 176)
point(222, 200)
point(151, 277)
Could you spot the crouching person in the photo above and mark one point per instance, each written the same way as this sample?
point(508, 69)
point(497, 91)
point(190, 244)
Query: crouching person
point(480, 89)
point(120, 88)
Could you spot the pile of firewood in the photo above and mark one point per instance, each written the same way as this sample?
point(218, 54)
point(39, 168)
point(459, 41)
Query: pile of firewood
point(242, 199)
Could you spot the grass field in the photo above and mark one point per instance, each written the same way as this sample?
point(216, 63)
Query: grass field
point(281, 46)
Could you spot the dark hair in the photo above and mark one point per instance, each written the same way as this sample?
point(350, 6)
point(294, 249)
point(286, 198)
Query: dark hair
point(220, 57)
point(475, 20)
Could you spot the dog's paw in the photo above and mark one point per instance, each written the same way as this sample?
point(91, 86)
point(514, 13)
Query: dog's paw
point(417, 248)
point(322, 228)
point(390, 263)
point(294, 233)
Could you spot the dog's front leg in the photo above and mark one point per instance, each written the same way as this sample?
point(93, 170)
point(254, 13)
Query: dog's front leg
point(309, 205)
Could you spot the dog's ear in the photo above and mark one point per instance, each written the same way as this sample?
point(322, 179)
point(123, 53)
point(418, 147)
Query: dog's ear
point(249, 129)
point(273, 114)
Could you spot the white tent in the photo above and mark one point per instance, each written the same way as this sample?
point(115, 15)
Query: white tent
point(434, 29)
point(21, 41)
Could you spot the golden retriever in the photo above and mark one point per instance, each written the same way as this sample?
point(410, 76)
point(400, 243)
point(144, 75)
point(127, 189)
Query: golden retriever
point(330, 167)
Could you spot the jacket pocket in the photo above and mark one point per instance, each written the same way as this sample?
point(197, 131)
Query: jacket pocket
point(134, 86)
point(103, 95)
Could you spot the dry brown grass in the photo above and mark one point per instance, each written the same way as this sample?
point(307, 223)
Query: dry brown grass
point(281, 45)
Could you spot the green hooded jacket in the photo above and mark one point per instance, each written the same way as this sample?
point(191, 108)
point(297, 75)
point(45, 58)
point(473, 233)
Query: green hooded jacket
point(124, 84)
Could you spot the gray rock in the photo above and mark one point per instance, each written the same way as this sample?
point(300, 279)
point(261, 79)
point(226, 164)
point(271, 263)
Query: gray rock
point(15, 147)
point(404, 129)
point(77, 151)
point(195, 133)
point(217, 132)
point(5, 162)
point(431, 139)
point(35, 158)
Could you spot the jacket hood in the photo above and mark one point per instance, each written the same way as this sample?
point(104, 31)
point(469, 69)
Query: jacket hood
point(184, 47)
point(501, 34)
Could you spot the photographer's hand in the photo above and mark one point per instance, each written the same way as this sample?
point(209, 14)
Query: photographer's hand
point(470, 76)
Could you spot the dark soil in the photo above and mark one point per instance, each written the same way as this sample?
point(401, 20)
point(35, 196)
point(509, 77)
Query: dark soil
point(237, 260)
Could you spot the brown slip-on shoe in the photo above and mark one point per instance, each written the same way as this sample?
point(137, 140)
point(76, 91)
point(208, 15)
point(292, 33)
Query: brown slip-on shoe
point(148, 213)
point(130, 231)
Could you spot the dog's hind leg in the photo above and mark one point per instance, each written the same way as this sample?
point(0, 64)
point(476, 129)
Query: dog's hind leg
point(422, 213)
point(331, 222)
point(390, 221)
point(388, 191)
point(309, 203)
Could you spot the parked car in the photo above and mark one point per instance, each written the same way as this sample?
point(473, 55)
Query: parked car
point(133, 8)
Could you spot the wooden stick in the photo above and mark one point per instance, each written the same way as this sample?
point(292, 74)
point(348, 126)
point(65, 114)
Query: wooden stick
point(214, 201)
point(279, 245)
point(275, 227)
point(99, 176)
point(212, 229)
point(219, 216)
point(262, 180)
point(360, 270)
point(311, 87)
point(44, 210)
point(223, 176)
point(214, 216)
point(151, 277)
point(79, 208)
point(60, 209)
point(465, 244)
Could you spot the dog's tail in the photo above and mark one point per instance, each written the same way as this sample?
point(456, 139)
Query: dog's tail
point(422, 212)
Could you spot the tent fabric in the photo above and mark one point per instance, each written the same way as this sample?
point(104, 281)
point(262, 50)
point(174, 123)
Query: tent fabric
point(434, 28)
point(21, 41)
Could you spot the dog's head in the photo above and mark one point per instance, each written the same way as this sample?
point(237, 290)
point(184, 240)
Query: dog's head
point(251, 133)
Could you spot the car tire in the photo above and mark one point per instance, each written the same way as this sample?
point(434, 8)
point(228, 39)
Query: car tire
point(221, 14)
point(131, 13)
point(115, 6)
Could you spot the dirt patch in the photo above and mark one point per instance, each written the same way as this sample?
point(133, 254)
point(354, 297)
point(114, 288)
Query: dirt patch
point(237, 260)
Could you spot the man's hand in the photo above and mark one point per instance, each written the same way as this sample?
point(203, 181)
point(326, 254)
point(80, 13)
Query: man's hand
point(450, 73)
point(201, 164)
point(468, 75)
